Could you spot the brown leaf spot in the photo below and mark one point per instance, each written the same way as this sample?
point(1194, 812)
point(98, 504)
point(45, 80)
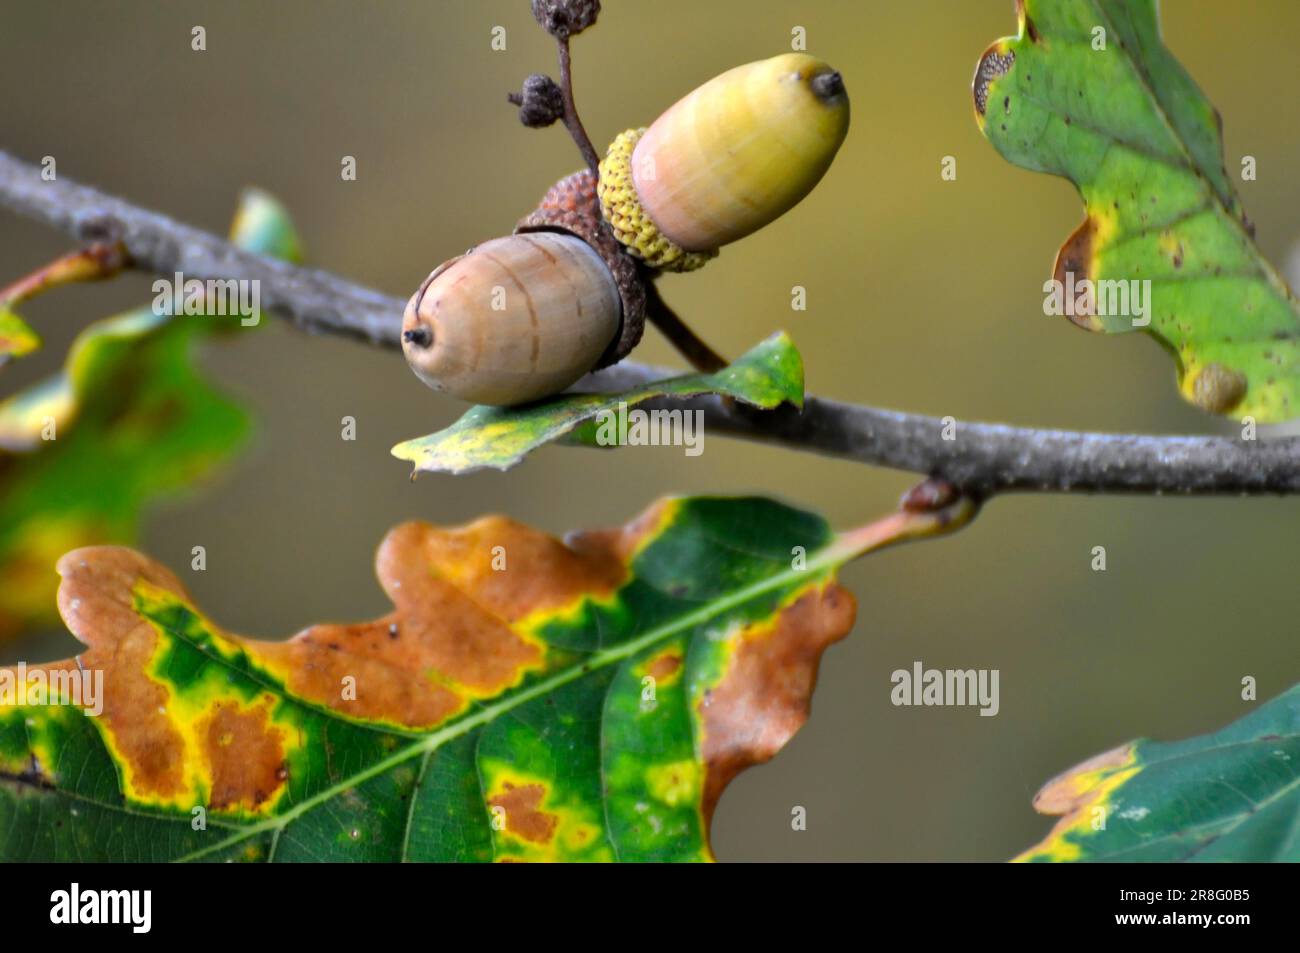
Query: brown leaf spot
point(764, 696)
point(523, 816)
point(995, 62)
point(541, 573)
point(619, 545)
point(664, 665)
point(456, 616)
point(245, 755)
point(1027, 26)
point(1083, 788)
point(1218, 389)
point(96, 601)
point(1075, 257)
point(455, 613)
point(1066, 793)
point(391, 685)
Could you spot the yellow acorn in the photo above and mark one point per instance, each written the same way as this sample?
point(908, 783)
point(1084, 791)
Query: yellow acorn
point(724, 161)
point(514, 319)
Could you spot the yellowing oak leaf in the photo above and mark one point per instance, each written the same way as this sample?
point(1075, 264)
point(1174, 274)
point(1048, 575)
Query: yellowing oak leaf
point(526, 699)
point(1089, 91)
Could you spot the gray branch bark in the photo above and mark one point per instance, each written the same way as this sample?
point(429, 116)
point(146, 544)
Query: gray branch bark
point(983, 460)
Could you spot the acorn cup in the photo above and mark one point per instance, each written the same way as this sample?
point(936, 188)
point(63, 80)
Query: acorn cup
point(521, 318)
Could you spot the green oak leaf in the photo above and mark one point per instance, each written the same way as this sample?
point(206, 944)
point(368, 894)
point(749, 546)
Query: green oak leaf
point(1233, 795)
point(16, 338)
point(127, 420)
point(768, 375)
point(526, 699)
point(1088, 91)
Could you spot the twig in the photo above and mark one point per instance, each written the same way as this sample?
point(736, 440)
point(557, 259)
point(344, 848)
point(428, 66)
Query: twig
point(315, 300)
point(982, 460)
point(571, 121)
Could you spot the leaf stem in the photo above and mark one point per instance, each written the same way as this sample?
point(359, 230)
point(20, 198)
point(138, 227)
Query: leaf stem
point(932, 508)
point(98, 261)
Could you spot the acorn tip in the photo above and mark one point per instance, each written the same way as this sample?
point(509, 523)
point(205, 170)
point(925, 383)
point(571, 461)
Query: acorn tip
point(419, 336)
point(828, 87)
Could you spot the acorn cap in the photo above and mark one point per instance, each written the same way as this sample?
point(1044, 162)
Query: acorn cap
point(627, 217)
point(730, 157)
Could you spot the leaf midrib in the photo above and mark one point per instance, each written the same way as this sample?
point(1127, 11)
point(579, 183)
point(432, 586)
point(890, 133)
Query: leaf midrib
point(1130, 57)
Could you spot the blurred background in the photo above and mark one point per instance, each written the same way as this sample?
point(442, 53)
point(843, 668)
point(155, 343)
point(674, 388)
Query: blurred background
point(922, 294)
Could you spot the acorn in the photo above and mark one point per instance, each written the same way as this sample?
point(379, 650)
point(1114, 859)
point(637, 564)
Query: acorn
point(512, 320)
point(724, 161)
point(520, 318)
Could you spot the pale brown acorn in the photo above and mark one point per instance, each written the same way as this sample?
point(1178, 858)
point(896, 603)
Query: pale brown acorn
point(512, 320)
point(520, 318)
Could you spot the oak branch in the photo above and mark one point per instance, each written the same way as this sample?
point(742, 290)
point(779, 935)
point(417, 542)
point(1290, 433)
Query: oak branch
point(981, 459)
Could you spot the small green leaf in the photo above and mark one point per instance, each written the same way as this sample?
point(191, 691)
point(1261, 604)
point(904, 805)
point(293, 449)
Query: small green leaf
point(262, 225)
point(1233, 795)
point(767, 376)
point(1088, 91)
point(16, 338)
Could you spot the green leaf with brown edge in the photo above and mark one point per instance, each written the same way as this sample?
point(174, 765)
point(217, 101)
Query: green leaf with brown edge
point(1233, 795)
point(1088, 91)
point(526, 699)
point(17, 339)
point(128, 420)
point(768, 375)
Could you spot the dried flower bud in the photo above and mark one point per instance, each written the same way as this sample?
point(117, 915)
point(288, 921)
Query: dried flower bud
point(541, 103)
point(565, 18)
